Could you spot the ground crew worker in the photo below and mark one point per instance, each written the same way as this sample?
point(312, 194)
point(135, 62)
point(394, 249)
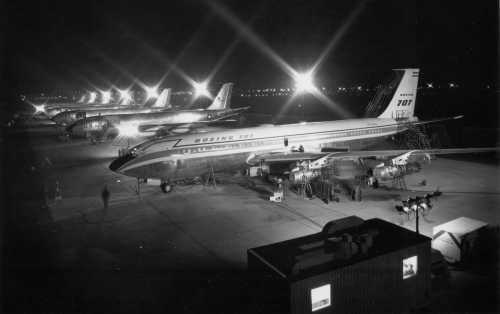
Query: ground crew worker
point(105, 196)
point(57, 193)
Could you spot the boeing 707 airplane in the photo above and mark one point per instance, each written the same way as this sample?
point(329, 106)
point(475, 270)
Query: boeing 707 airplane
point(306, 147)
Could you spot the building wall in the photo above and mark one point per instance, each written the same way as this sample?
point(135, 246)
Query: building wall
point(374, 285)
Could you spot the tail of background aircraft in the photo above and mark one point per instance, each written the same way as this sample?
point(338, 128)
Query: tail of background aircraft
point(163, 101)
point(399, 96)
point(223, 99)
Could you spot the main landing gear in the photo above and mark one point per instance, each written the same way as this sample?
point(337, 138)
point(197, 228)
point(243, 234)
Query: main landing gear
point(166, 186)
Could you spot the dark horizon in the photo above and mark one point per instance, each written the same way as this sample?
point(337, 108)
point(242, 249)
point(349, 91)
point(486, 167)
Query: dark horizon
point(66, 46)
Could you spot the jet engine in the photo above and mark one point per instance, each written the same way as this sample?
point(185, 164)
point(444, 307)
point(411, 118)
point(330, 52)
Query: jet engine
point(95, 124)
point(83, 127)
point(385, 173)
point(298, 176)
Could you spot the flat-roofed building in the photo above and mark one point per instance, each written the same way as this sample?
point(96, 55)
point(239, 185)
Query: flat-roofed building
point(368, 266)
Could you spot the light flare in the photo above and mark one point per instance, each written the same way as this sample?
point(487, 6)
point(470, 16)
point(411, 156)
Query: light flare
point(92, 97)
point(125, 96)
point(129, 128)
point(304, 82)
point(105, 97)
point(39, 108)
point(259, 44)
point(186, 117)
point(201, 89)
point(151, 92)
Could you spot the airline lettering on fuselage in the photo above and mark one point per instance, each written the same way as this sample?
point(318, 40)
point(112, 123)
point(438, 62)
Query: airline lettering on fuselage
point(223, 138)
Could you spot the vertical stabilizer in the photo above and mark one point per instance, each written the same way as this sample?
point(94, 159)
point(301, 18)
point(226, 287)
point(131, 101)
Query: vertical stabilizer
point(402, 103)
point(163, 101)
point(223, 99)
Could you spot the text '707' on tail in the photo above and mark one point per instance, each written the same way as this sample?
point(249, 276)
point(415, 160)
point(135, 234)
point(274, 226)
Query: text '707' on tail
point(399, 96)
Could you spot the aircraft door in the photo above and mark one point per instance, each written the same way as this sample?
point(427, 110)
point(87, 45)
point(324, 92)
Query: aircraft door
point(285, 141)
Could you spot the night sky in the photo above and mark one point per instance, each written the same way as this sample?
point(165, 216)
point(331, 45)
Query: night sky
point(56, 45)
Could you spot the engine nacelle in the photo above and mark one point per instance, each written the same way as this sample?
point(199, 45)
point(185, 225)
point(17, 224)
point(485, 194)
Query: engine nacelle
point(385, 173)
point(302, 176)
point(388, 172)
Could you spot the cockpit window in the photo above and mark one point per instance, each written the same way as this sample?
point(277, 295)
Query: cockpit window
point(154, 146)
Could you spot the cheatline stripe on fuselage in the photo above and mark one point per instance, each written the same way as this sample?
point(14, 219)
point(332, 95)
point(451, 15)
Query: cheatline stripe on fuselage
point(198, 150)
point(266, 137)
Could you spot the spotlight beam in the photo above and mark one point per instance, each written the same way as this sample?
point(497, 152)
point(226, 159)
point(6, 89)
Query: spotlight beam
point(338, 35)
point(223, 59)
point(151, 91)
point(105, 96)
point(264, 48)
point(247, 33)
point(201, 89)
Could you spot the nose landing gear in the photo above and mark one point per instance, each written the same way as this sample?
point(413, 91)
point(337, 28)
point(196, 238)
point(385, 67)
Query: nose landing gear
point(166, 187)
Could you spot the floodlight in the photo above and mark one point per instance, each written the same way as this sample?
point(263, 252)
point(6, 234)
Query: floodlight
point(304, 82)
point(200, 89)
point(93, 96)
point(125, 94)
point(106, 97)
point(151, 92)
point(39, 108)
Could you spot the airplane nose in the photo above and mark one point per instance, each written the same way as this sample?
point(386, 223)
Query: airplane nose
point(120, 161)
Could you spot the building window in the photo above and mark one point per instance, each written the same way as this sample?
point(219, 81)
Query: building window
point(320, 297)
point(409, 267)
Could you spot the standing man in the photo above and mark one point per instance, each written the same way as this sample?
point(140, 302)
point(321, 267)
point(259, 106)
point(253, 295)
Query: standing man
point(105, 196)
point(57, 193)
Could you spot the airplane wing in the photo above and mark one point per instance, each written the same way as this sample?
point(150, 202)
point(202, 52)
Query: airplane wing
point(437, 120)
point(279, 157)
point(400, 155)
point(396, 152)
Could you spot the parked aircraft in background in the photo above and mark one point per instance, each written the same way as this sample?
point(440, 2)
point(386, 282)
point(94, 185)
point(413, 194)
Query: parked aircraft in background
point(168, 121)
point(76, 113)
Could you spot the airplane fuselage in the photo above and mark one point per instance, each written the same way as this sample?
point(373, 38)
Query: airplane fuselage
point(145, 121)
point(193, 154)
point(70, 116)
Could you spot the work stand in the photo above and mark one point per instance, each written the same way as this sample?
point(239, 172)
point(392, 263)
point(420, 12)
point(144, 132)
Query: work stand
point(399, 182)
point(211, 177)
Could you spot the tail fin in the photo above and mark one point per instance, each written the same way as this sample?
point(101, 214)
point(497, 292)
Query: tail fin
point(404, 94)
point(163, 101)
point(223, 99)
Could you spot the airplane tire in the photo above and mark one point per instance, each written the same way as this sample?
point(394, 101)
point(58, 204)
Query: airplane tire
point(165, 187)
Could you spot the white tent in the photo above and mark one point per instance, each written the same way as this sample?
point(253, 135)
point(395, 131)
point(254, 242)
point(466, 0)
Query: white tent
point(456, 239)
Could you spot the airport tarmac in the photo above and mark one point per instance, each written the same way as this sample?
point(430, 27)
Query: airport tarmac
point(169, 251)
